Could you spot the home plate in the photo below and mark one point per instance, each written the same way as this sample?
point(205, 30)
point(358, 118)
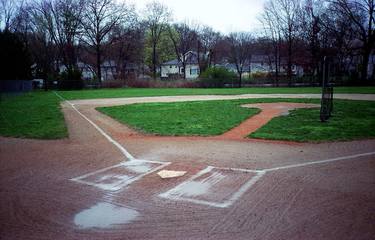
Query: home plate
point(216, 187)
point(171, 174)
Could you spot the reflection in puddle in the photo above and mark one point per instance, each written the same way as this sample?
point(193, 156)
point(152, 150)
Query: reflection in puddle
point(104, 215)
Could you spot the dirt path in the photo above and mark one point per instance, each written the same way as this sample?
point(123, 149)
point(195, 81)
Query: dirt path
point(123, 101)
point(306, 199)
point(268, 111)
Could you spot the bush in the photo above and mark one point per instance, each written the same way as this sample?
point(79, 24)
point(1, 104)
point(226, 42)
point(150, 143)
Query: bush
point(216, 77)
point(70, 79)
point(113, 84)
point(261, 75)
point(139, 83)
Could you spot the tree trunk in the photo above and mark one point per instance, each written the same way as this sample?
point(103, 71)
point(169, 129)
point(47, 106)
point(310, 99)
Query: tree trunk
point(240, 80)
point(364, 67)
point(198, 57)
point(98, 67)
point(184, 72)
point(277, 64)
point(210, 56)
point(45, 84)
point(154, 61)
point(290, 63)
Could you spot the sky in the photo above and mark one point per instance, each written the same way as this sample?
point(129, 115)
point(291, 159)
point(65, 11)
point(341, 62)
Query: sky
point(222, 15)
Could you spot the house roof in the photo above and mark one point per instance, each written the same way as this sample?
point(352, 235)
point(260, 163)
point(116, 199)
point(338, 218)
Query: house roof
point(171, 62)
point(191, 58)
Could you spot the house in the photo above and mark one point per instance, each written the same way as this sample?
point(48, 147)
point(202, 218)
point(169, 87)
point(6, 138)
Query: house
point(174, 69)
point(109, 70)
point(87, 70)
point(260, 64)
point(112, 71)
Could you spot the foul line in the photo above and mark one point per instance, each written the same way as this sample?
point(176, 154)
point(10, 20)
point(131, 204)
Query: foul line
point(118, 145)
point(319, 162)
point(168, 194)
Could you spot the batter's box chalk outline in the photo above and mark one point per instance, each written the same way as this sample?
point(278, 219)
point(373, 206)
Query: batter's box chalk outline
point(116, 177)
point(191, 189)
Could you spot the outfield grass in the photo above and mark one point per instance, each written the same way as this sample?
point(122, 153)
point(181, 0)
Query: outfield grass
point(149, 92)
point(33, 115)
point(38, 114)
point(351, 120)
point(181, 119)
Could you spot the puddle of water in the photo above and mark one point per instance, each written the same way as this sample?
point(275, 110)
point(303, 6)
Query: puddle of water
point(104, 215)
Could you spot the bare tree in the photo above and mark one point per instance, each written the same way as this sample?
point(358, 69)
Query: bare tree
point(99, 18)
point(240, 51)
point(273, 32)
point(310, 27)
point(207, 42)
point(62, 20)
point(21, 20)
point(127, 47)
point(183, 38)
point(362, 15)
point(8, 11)
point(286, 14)
point(157, 19)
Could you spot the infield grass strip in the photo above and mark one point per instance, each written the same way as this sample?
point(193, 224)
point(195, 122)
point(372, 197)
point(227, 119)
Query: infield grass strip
point(350, 120)
point(33, 115)
point(182, 119)
point(152, 92)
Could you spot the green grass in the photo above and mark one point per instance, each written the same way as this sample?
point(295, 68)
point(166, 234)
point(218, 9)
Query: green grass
point(351, 120)
point(33, 115)
point(183, 118)
point(148, 92)
point(38, 114)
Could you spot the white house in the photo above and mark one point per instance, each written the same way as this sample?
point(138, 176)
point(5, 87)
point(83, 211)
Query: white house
point(174, 69)
point(261, 64)
point(87, 70)
point(109, 70)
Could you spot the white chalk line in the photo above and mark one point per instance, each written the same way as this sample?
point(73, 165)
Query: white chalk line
point(118, 145)
point(170, 194)
point(319, 162)
point(234, 197)
point(259, 173)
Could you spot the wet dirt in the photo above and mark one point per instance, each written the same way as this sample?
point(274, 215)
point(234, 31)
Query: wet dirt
point(324, 201)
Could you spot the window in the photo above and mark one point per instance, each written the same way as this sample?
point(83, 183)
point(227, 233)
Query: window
point(194, 71)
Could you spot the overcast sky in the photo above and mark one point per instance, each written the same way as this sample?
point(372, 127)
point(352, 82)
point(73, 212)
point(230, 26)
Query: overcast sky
point(222, 15)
